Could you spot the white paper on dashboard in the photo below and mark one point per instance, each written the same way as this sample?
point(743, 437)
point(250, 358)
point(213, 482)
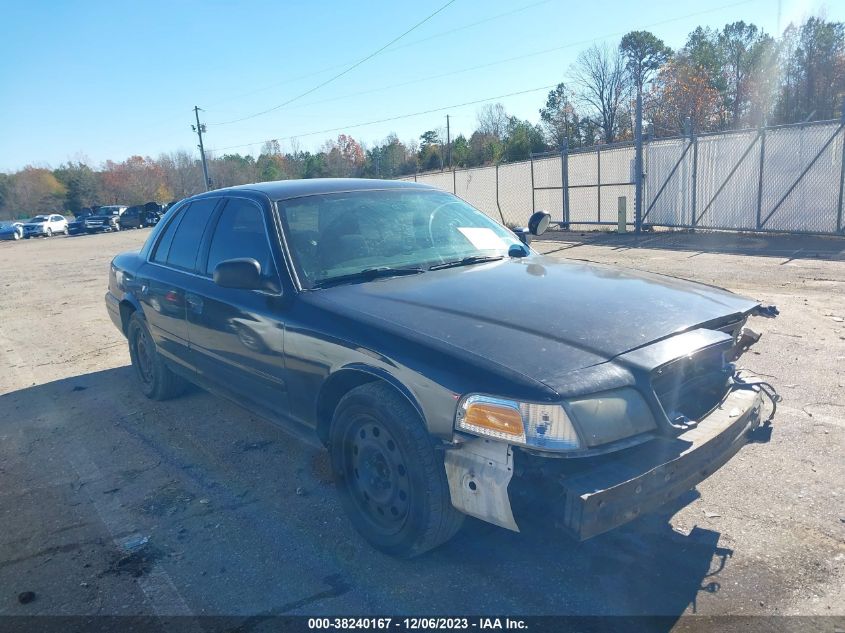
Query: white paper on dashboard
point(483, 239)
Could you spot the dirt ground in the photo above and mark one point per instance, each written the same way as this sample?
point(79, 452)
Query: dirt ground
point(113, 504)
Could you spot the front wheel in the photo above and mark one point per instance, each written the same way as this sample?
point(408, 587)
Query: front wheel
point(158, 382)
point(390, 478)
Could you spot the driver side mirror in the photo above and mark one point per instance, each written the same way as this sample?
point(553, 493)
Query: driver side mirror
point(243, 274)
point(538, 223)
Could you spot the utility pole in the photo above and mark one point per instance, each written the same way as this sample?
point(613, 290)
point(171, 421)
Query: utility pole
point(199, 128)
point(448, 141)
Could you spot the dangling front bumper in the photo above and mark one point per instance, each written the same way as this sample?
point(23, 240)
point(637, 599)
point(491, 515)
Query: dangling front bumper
point(593, 495)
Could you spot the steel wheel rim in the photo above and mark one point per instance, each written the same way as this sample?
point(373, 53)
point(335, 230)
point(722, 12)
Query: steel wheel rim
point(143, 357)
point(377, 475)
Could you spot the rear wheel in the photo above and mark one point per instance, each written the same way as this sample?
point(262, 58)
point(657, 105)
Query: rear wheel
point(390, 478)
point(158, 382)
point(66, 231)
point(49, 232)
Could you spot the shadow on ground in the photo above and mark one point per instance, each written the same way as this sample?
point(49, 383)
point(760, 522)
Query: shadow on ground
point(788, 247)
point(207, 465)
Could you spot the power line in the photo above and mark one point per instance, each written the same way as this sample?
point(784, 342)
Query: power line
point(470, 25)
point(344, 72)
point(391, 50)
point(508, 59)
point(498, 62)
point(388, 119)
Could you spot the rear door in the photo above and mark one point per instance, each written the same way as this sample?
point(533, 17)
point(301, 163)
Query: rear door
point(237, 336)
point(170, 271)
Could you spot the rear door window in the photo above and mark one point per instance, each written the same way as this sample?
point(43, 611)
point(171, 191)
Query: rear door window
point(163, 247)
point(188, 236)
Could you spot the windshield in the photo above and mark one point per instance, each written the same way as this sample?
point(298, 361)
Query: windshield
point(340, 234)
point(108, 211)
point(38, 218)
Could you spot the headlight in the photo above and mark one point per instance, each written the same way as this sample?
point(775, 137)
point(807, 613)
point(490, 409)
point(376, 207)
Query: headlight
point(611, 415)
point(539, 425)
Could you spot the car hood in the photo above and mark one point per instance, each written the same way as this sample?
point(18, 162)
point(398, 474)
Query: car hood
point(537, 315)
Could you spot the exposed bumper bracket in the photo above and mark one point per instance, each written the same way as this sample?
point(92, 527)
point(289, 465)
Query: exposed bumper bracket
point(479, 473)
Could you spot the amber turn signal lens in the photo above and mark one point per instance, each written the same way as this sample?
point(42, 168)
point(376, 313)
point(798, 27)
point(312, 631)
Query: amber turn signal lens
point(501, 419)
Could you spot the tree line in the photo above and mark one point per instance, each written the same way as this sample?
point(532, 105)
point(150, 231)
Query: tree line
point(721, 79)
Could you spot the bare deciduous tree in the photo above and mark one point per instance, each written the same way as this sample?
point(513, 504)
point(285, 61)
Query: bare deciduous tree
point(493, 120)
point(600, 73)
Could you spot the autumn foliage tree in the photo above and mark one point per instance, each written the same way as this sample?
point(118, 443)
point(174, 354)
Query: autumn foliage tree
point(683, 91)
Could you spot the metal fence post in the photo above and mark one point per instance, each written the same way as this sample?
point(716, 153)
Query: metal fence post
point(454, 183)
point(638, 164)
point(839, 227)
point(564, 181)
point(598, 182)
point(498, 206)
point(533, 202)
point(760, 179)
point(694, 141)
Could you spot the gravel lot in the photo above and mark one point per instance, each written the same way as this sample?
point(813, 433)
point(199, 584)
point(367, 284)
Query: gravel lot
point(242, 520)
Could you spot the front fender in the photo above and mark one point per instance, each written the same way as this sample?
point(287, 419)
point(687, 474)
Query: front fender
point(347, 377)
point(393, 381)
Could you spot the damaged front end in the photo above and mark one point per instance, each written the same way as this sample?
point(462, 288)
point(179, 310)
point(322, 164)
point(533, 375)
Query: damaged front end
point(661, 419)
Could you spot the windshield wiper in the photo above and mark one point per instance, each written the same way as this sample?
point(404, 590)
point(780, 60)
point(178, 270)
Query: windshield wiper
point(367, 274)
point(472, 259)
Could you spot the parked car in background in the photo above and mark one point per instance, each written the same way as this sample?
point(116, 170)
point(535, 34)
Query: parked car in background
point(141, 215)
point(77, 225)
point(45, 226)
point(106, 218)
point(132, 218)
point(447, 367)
point(11, 231)
point(154, 211)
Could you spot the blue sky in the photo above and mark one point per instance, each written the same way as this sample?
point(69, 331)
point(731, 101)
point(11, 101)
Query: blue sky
point(97, 80)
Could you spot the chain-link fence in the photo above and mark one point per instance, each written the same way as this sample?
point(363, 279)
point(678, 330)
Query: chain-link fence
point(779, 179)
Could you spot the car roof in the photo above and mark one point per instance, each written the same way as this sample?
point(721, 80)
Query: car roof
point(284, 189)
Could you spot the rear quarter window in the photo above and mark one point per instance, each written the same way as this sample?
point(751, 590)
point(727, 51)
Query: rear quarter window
point(187, 237)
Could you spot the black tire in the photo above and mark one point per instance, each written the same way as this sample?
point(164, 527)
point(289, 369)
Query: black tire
point(390, 478)
point(157, 381)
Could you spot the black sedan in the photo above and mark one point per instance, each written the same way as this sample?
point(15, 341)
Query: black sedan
point(447, 367)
